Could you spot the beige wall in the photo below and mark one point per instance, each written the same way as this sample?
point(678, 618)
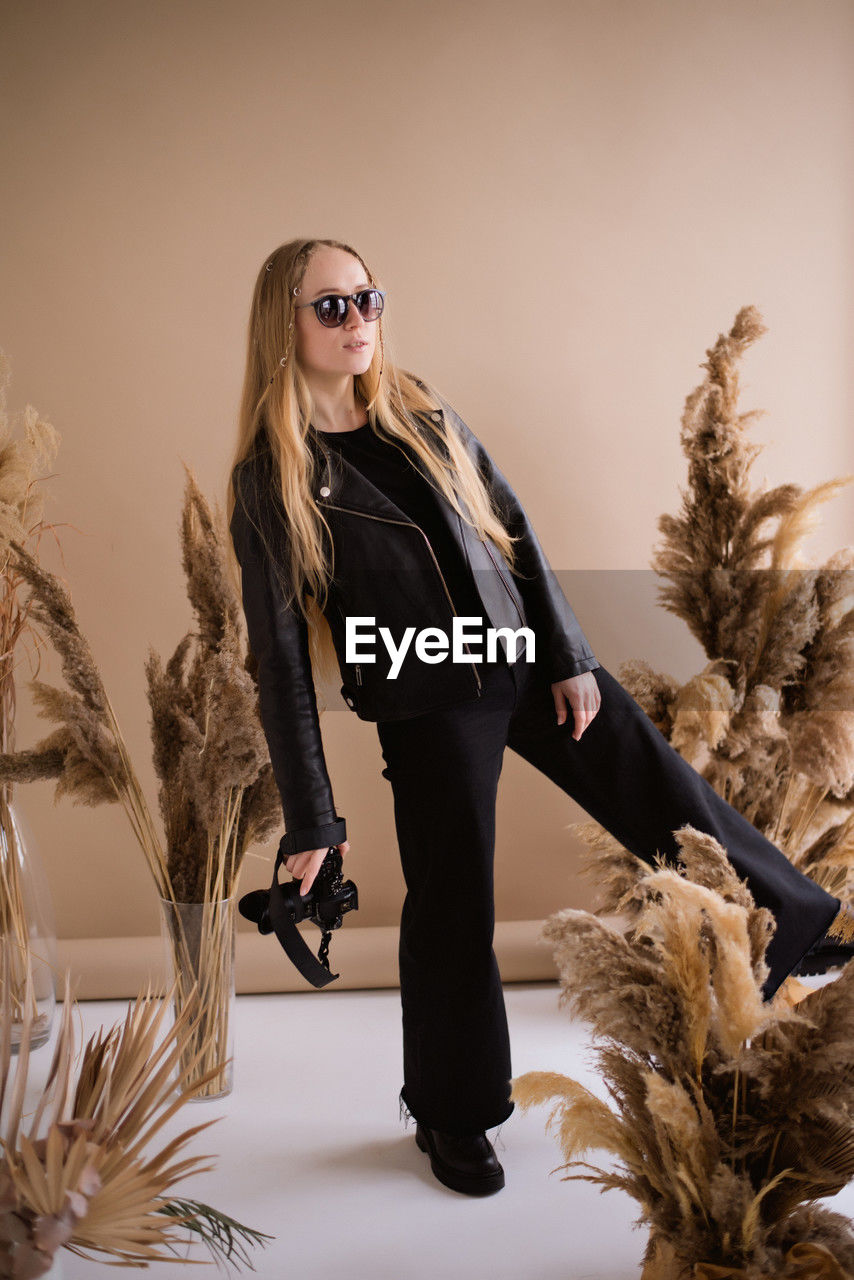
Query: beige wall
point(566, 202)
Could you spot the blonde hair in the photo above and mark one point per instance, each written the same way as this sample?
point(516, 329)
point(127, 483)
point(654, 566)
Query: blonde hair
point(276, 410)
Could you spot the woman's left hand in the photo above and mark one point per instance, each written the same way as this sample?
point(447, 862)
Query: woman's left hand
point(582, 694)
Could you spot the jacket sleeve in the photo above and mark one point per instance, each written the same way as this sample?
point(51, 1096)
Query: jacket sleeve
point(278, 639)
point(567, 650)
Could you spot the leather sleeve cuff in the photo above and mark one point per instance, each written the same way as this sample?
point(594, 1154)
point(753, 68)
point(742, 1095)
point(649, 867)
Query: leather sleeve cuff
point(327, 833)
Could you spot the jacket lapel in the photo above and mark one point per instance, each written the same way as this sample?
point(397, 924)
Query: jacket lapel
point(349, 488)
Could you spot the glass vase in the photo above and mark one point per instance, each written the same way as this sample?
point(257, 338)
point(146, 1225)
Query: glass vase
point(27, 925)
point(198, 942)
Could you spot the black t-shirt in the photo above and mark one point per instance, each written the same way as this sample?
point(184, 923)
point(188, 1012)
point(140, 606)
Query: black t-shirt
point(391, 471)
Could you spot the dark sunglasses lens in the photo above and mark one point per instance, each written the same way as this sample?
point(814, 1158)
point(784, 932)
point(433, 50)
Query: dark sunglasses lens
point(370, 304)
point(331, 310)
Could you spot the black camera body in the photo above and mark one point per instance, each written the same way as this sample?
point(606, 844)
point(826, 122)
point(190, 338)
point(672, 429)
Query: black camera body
point(327, 901)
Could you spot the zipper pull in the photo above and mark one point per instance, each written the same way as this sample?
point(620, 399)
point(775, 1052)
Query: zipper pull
point(358, 674)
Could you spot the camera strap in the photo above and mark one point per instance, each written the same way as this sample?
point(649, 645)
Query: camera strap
point(294, 943)
point(278, 909)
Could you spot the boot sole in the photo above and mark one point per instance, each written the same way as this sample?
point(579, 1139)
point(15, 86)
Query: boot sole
point(820, 963)
point(469, 1184)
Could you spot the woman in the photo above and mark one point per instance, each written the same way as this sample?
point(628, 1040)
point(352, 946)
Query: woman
point(361, 500)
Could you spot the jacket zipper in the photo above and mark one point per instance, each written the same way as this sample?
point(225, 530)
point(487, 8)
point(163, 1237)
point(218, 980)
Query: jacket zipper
point(491, 556)
point(504, 580)
point(433, 487)
point(408, 524)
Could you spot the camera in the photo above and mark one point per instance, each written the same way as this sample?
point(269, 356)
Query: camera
point(280, 909)
point(327, 901)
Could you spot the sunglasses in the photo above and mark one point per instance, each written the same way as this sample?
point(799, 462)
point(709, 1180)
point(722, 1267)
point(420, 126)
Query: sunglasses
point(332, 309)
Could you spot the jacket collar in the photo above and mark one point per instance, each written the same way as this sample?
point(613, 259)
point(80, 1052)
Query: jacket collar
point(339, 484)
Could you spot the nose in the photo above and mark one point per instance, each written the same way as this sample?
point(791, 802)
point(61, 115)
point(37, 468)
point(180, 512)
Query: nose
point(352, 319)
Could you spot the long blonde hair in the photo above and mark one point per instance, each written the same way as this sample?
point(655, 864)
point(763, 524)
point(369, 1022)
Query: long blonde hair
point(276, 410)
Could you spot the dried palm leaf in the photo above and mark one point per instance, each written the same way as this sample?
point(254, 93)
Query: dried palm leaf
point(93, 1182)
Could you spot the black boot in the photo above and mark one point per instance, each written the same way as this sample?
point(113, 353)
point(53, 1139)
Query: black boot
point(827, 953)
point(468, 1164)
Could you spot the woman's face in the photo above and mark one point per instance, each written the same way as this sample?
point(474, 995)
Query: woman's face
point(324, 353)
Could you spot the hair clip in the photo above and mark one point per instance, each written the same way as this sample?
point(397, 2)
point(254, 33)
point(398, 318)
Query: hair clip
point(282, 363)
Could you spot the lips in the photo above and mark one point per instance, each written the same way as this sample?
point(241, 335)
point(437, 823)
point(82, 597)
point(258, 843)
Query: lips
point(355, 346)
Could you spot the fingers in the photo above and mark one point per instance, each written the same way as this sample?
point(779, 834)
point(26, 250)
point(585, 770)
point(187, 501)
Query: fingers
point(584, 713)
point(584, 704)
point(305, 866)
point(581, 719)
point(311, 870)
point(584, 699)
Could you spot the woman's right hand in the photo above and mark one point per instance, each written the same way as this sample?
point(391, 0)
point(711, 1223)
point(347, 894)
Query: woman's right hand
point(306, 865)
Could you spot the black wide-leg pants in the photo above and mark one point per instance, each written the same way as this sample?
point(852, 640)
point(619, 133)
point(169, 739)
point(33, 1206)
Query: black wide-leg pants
point(444, 769)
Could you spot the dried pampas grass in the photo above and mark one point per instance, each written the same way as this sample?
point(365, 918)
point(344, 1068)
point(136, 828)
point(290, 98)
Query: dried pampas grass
point(23, 458)
point(769, 722)
point(217, 792)
point(728, 1117)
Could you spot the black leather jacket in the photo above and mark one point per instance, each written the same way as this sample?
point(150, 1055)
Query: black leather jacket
point(384, 568)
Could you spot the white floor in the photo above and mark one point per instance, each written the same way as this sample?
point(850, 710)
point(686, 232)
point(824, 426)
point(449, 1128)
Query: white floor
point(310, 1148)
